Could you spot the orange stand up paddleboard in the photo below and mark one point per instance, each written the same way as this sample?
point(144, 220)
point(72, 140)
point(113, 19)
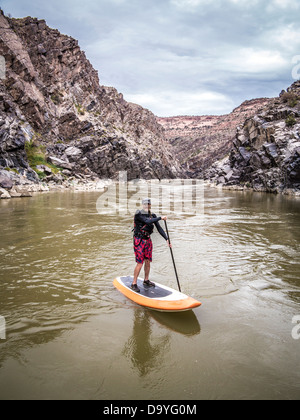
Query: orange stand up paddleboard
point(160, 298)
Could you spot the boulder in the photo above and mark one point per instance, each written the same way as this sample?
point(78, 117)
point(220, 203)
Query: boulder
point(4, 194)
point(45, 169)
point(60, 163)
point(221, 180)
point(14, 194)
point(229, 175)
point(6, 182)
point(73, 153)
point(23, 191)
point(246, 155)
point(271, 150)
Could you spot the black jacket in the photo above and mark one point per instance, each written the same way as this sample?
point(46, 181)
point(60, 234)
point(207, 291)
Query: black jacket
point(144, 225)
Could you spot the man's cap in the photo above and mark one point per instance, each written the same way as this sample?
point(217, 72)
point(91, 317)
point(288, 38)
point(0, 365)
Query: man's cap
point(146, 201)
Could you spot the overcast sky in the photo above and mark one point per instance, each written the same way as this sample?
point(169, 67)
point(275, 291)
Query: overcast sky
point(181, 57)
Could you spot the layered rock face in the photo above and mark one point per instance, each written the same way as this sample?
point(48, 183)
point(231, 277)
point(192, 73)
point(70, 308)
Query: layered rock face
point(51, 103)
point(57, 123)
point(201, 140)
point(266, 151)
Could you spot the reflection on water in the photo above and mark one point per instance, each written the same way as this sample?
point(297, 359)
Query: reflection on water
point(185, 323)
point(141, 348)
point(71, 334)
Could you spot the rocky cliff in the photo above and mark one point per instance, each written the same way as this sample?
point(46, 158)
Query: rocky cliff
point(59, 125)
point(201, 140)
point(266, 151)
point(57, 121)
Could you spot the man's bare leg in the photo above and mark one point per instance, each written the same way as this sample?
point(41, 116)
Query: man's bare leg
point(136, 273)
point(147, 269)
point(147, 273)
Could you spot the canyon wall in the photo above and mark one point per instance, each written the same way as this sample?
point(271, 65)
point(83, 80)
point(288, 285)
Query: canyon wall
point(57, 121)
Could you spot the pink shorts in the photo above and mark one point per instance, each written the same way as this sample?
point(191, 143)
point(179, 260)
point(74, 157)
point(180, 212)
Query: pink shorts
point(142, 250)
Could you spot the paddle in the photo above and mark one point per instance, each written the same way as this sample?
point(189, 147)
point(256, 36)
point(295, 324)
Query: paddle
point(172, 257)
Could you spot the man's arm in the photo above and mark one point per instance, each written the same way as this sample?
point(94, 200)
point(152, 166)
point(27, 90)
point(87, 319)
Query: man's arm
point(161, 231)
point(148, 220)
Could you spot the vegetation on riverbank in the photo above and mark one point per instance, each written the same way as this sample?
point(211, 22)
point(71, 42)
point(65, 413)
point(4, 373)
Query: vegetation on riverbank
point(36, 156)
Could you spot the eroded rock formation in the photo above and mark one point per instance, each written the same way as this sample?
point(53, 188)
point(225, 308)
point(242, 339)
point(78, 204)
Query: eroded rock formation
point(266, 151)
point(52, 106)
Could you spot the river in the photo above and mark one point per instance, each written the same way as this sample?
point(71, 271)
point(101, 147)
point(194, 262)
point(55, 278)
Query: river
point(67, 333)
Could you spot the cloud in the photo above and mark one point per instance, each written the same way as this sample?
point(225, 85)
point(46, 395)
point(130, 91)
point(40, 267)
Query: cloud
point(187, 5)
point(255, 61)
point(284, 4)
point(286, 38)
point(184, 103)
point(212, 52)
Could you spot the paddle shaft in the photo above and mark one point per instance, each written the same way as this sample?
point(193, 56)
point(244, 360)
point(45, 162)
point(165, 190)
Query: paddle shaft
point(172, 256)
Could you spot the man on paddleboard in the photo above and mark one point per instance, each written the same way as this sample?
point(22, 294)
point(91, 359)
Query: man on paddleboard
point(144, 222)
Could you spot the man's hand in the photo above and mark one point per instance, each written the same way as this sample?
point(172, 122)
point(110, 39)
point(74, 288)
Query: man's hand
point(169, 245)
point(164, 218)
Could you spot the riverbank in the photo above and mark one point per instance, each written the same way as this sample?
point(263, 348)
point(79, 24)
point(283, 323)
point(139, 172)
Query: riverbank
point(287, 191)
point(13, 185)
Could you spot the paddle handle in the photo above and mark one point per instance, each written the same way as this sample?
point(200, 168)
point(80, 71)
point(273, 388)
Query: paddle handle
point(179, 288)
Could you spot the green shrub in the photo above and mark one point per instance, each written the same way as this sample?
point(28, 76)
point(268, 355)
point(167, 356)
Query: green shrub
point(290, 98)
point(290, 121)
point(57, 97)
point(11, 170)
point(36, 155)
point(80, 109)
